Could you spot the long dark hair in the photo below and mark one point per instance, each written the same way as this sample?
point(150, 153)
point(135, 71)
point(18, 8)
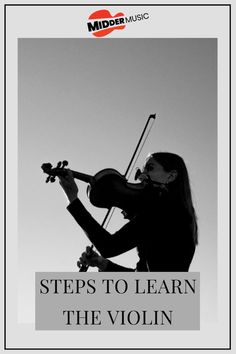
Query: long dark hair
point(180, 186)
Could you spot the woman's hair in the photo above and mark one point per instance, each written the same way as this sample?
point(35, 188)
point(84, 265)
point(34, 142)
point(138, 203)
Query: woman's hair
point(180, 186)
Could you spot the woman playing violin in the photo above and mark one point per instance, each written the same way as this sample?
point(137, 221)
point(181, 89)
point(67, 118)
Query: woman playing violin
point(164, 230)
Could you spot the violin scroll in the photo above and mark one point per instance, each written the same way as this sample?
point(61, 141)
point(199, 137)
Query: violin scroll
point(53, 172)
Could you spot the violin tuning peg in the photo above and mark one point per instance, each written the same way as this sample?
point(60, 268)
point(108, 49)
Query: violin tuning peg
point(59, 164)
point(48, 179)
point(52, 179)
point(46, 167)
point(64, 163)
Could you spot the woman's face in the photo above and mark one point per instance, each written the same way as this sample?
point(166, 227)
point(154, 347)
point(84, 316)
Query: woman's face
point(156, 172)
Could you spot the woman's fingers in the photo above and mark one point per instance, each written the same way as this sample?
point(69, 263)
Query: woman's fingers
point(69, 186)
point(90, 251)
point(89, 257)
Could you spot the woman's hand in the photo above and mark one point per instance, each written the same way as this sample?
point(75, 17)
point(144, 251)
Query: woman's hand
point(69, 186)
point(92, 259)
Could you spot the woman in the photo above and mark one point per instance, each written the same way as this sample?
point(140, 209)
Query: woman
point(164, 231)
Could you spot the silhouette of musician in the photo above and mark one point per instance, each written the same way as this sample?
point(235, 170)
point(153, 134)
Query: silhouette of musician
point(163, 229)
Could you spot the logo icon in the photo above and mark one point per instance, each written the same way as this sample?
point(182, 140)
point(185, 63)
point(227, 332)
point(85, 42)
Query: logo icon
point(102, 23)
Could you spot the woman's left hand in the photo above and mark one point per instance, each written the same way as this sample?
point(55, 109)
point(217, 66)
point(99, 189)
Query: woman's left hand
point(69, 186)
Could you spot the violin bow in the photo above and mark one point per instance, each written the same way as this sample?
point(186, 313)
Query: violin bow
point(136, 153)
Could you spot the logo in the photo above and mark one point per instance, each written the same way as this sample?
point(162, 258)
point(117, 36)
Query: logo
point(104, 23)
point(101, 22)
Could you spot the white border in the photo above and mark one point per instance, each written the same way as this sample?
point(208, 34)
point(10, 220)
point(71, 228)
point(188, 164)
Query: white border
point(27, 22)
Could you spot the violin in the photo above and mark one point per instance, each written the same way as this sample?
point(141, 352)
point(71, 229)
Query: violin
point(108, 188)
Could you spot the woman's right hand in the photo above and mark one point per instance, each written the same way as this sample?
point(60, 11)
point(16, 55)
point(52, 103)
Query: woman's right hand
point(92, 259)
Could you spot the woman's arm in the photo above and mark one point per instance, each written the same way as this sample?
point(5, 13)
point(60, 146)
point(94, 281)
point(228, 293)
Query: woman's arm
point(109, 245)
point(113, 267)
point(92, 259)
